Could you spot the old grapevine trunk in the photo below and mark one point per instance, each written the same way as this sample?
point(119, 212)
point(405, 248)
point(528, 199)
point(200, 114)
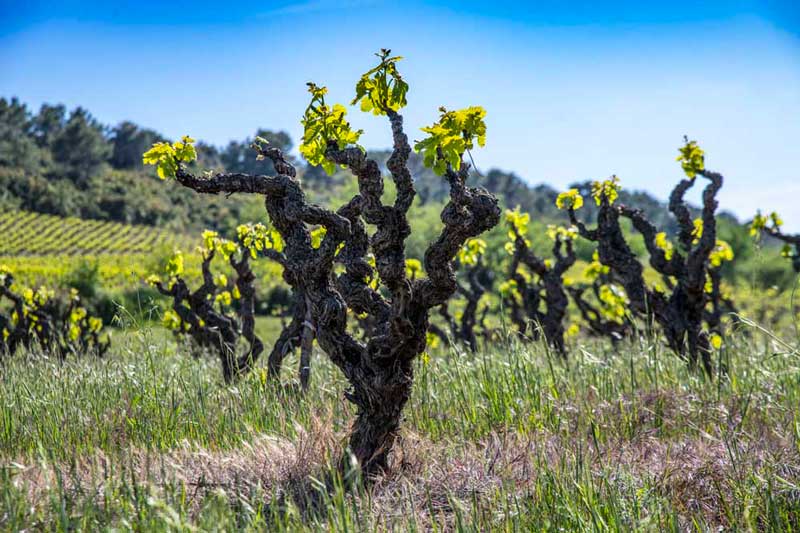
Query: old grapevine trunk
point(550, 284)
point(379, 369)
point(399, 333)
point(479, 279)
point(680, 313)
point(214, 328)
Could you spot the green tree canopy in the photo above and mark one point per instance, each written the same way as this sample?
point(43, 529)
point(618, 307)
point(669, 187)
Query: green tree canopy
point(129, 141)
point(17, 148)
point(80, 150)
point(48, 124)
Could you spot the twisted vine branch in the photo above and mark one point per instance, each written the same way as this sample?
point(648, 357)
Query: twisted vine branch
point(547, 288)
point(680, 314)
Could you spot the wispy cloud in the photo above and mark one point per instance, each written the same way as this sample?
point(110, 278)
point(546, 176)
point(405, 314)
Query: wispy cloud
point(311, 6)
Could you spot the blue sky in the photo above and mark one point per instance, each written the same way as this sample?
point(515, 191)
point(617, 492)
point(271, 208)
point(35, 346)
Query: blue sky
point(573, 91)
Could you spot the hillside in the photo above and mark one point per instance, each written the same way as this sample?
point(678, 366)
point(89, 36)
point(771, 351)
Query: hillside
point(69, 164)
point(24, 233)
point(47, 249)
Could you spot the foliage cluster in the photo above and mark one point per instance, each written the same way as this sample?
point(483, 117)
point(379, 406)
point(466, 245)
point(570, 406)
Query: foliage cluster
point(36, 318)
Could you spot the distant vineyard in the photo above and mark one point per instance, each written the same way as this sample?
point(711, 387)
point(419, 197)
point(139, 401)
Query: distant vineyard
point(34, 234)
point(46, 249)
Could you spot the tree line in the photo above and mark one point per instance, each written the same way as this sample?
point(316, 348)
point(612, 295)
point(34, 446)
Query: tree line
point(65, 162)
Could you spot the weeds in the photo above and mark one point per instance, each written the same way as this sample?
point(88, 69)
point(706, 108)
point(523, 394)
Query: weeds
point(507, 440)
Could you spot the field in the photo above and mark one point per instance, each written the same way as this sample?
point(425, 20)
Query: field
point(565, 432)
point(34, 234)
point(512, 437)
point(44, 249)
point(508, 439)
point(298, 333)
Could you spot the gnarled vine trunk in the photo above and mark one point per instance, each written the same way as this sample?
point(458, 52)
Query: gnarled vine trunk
point(213, 328)
point(479, 280)
point(59, 328)
point(592, 315)
point(680, 314)
point(546, 289)
point(380, 370)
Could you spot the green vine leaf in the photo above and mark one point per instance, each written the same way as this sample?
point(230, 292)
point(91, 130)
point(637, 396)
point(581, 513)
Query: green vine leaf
point(471, 251)
point(608, 189)
point(166, 156)
point(448, 139)
point(721, 253)
point(692, 158)
point(663, 244)
point(570, 199)
point(382, 89)
point(323, 124)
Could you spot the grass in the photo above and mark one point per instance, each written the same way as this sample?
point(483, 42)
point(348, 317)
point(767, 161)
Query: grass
point(509, 439)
